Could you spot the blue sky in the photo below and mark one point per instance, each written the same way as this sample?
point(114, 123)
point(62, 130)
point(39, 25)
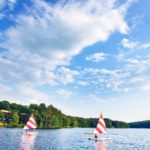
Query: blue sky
point(84, 57)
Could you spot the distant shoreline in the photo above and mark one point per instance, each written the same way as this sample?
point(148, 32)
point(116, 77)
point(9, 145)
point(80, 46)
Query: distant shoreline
point(14, 115)
point(67, 128)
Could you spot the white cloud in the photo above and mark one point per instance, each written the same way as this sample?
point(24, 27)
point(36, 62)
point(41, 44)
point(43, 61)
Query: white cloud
point(6, 4)
point(96, 57)
point(145, 86)
point(138, 69)
point(128, 44)
point(29, 94)
point(23, 93)
point(52, 35)
point(66, 75)
point(145, 45)
point(133, 60)
point(65, 94)
point(137, 79)
point(82, 83)
point(48, 36)
point(109, 79)
point(130, 48)
point(134, 44)
point(138, 66)
point(9, 3)
point(131, 75)
point(96, 98)
point(94, 71)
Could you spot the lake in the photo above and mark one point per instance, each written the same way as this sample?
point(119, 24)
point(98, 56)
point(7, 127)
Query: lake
point(74, 139)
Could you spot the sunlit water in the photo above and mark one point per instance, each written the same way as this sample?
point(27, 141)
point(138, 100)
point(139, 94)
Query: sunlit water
point(74, 139)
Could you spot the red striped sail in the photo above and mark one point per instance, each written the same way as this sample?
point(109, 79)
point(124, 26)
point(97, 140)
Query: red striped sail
point(31, 123)
point(101, 127)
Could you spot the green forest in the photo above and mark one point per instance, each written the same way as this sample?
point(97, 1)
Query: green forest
point(47, 117)
point(140, 124)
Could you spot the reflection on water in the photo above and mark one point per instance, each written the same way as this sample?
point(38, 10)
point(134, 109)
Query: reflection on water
point(101, 145)
point(28, 140)
point(73, 139)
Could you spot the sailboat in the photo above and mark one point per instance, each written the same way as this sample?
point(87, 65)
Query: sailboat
point(30, 125)
point(100, 129)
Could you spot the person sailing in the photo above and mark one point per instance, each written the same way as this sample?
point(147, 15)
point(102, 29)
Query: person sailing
point(96, 137)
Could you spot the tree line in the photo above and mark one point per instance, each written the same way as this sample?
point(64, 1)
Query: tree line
point(48, 117)
point(140, 124)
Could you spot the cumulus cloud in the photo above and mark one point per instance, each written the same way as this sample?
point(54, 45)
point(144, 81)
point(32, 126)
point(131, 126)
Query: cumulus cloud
point(66, 75)
point(130, 48)
point(140, 66)
point(48, 36)
point(132, 60)
point(132, 75)
point(105, 78)
point(96, 57)
point(126, 43)
point(52, 35)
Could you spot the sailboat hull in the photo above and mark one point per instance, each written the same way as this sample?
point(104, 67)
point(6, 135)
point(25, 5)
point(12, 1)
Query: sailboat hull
point(101, 139)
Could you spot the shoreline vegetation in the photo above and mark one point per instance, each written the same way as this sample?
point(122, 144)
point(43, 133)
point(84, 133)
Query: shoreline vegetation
point(14, 115)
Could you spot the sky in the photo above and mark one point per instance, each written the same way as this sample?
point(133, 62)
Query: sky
point(83, 57)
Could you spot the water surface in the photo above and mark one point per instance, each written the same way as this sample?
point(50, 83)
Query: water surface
point(74, 139)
